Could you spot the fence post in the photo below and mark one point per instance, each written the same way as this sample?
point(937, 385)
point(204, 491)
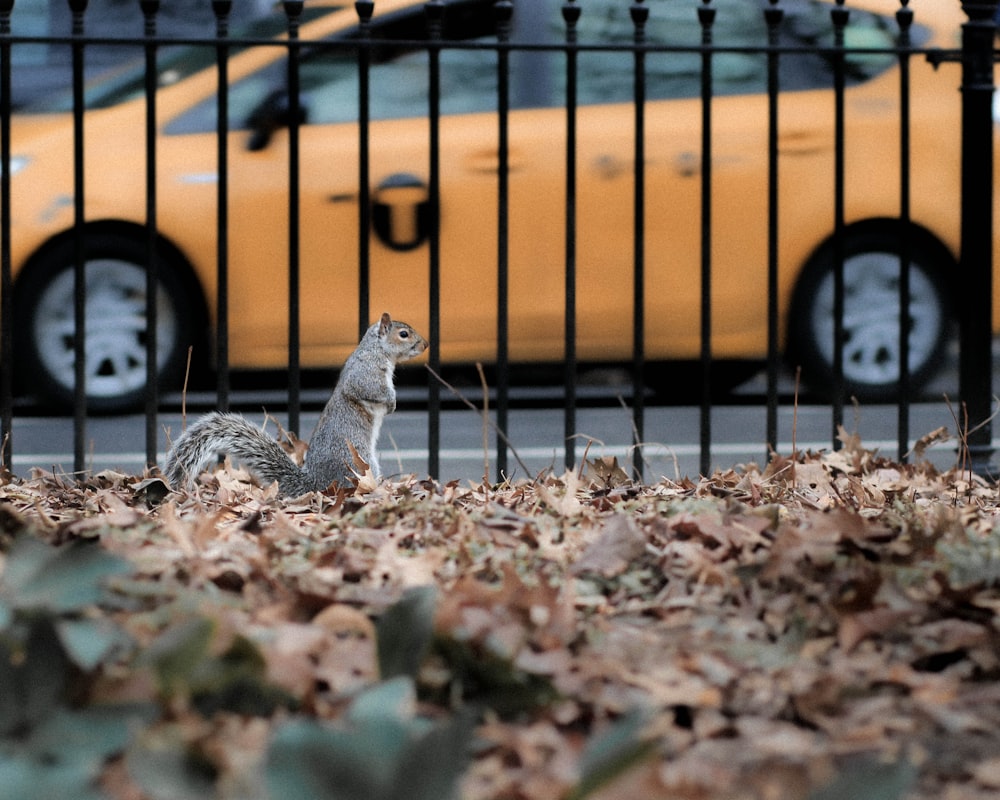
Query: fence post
point(976, 293)
point(150, 8)
point(78, 9)
point(6, 281)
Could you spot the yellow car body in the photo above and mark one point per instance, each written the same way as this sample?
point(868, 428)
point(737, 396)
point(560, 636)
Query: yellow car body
point(187, 188)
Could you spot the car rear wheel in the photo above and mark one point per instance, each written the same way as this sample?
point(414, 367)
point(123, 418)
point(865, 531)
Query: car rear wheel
point(871, 342)
point(115, 323)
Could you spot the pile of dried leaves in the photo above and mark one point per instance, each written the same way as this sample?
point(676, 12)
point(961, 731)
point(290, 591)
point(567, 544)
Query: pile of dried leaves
point(828, 627)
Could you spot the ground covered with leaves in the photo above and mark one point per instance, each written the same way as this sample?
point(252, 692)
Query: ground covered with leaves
point(827, 627)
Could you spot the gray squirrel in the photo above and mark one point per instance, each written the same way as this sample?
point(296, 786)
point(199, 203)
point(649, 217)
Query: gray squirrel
point(353, 416)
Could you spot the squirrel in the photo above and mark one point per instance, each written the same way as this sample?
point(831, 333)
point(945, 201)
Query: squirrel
point(353, 416)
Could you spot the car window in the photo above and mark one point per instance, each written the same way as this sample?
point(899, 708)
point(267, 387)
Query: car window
point(174, 63)
point(328, 74)
point(399, 72)
point(606, 77)
point(31, 19)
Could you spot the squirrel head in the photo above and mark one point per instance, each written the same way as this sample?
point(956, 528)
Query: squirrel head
point(400, 339)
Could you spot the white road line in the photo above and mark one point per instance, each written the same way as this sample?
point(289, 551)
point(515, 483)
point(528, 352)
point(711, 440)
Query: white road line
point(45, 460)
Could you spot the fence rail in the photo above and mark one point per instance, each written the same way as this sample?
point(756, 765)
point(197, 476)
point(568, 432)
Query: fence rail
point(370, 44)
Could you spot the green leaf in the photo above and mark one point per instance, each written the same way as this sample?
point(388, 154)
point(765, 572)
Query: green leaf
point(56, 579)
point(243, 694)
point(242, 662)
point(11, 706)
point(176, 653)
point(234, 681)
point(870, 779)
point(431, 765)
point(64, 754)
point(91, 734)
point(166, 768)
point(486, 679)
point(88, 642)
point(27, 780)
point(405, 631)
point(33, 678)
point(386, 753)
point(385, 713)
point(610, 754)
point(45, 672)
point(393, 700)
point(309, 761)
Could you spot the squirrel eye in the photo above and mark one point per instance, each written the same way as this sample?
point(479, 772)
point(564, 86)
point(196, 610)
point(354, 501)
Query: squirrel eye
point(404, 334)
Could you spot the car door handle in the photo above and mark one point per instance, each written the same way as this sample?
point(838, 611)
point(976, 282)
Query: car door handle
point(488, 161)
point(803, 142)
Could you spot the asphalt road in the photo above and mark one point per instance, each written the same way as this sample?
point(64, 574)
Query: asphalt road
point(671, 433)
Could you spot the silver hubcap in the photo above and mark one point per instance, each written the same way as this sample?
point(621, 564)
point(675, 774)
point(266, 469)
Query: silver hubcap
point(871, 318)
point(115, 328)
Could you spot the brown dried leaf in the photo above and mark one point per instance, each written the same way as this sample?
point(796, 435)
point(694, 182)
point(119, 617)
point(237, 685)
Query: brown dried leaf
point(618, 544)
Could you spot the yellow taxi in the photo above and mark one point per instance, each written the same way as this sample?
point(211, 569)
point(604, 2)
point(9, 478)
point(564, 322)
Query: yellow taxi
point(258, 192)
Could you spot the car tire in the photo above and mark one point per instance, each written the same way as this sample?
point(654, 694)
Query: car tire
point(115, 326)
point(871, 348)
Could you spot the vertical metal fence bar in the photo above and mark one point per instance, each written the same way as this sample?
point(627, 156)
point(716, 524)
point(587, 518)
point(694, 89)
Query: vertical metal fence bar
point(435, 13)
point(976, 267)
point(222, 9)
point(773, 16)
point(639, 14)
point(904, 18)
point(364, 9)
point(571, 14)
point(293, 10)
point(706, 17)
point(78, 8)
point(6, 280)
point(504, 12)
point(839, 16)
point(149, 11)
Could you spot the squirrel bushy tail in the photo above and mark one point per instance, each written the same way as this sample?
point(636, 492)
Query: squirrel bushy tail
point(219, 432)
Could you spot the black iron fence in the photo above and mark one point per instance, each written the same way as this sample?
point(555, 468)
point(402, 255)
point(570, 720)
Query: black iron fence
point(889, 39)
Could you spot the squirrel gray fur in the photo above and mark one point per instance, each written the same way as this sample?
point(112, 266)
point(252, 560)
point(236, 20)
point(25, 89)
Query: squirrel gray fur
point(364, 394)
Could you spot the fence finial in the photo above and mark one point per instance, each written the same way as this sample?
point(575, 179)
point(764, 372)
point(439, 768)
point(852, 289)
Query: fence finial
point(706, 15)
point(504, 10)
point(640, 14)
point(434, 9)
point(571, 12)
point(222, 9)
point(904, 18)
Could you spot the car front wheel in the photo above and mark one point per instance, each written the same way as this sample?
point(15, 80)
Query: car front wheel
point(871, 331)
point(115, 364)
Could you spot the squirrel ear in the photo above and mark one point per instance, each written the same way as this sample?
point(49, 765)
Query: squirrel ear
point(384, 323)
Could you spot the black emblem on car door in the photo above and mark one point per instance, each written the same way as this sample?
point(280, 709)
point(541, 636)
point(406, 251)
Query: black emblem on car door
point(401, 213)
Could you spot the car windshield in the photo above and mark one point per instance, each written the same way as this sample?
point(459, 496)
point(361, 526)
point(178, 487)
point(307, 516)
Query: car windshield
point(174, 63)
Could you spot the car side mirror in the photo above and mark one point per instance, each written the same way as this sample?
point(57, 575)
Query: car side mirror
point(274, 112)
